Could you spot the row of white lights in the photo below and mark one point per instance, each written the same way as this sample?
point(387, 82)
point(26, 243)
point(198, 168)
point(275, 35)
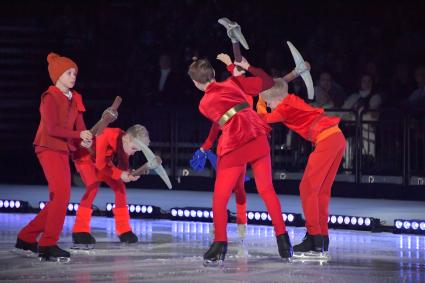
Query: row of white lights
point(133, 208)
point(349, 220)
point(10, 203)
point(192, 213)
point(256, 215)
point(72, 207)
point(416, 225)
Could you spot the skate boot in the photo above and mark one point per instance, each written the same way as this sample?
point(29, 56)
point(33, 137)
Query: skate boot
point(215, 254)
point(325, 243)
point(83, 241)
point(54, 254)
point(284, 246)
point(310, 247)
point(25, 248)
point(128, 238)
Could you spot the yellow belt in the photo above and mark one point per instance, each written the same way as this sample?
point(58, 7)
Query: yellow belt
point(231, 112)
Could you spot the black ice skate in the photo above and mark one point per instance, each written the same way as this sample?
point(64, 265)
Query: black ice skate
point(83, 241)
point(25, 248)
point(53, 254)
point(284, 246)
point(215, 254)
point(128, 238)
point(310, 248)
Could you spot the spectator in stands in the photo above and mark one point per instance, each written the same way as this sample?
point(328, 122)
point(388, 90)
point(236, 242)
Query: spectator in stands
point(329, 94)
point(416, 100)
point(363, 103)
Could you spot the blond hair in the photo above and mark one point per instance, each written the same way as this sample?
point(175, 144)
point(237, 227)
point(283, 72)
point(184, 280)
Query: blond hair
point(201, 71)
point(279, 90)
point(138, 132)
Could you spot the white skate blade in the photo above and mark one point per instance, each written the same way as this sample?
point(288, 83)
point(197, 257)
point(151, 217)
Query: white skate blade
point(24, 253)
point(310, 254)
point(212, 263)
point(55, 259)
point(84, 247)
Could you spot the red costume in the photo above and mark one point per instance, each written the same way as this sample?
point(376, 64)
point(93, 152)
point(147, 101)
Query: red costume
point(250, 86)
point(323, 163)
point(99, 167)
point(243, 140)
point(61, 123)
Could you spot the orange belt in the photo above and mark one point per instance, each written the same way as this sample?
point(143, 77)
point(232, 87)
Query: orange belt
point(327, 132)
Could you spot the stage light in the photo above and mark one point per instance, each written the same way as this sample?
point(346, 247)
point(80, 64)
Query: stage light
point(8, 205)
point(264, 218)
point(192, 214)
point(180, 213)
point(409, 226)
point(415, 225)
point(353, 222)
point(137, 210)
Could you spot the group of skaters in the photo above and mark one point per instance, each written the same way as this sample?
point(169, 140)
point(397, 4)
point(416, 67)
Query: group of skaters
point(244, 139)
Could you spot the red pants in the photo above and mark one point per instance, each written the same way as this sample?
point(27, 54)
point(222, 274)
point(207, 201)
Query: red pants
point(229, 173)
point(92, 181)
point(240, 196)
point(49, 221)
point(316, 184)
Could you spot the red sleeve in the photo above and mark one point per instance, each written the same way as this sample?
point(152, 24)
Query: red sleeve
point(50, 117)
point(230, 68)
point(254, 85)
point(103, 163)
point(212, 136)
point(273, 117)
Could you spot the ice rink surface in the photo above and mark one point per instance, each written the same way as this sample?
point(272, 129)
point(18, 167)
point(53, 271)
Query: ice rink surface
point(171, 251)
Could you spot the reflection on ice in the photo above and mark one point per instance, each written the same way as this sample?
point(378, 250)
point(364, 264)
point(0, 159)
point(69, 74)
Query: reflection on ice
point(171, 251)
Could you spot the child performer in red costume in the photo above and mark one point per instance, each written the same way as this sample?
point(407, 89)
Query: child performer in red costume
point(248, 84)
point(61, 123)
point(323, 163)
point(243, 140)
point(108, 163)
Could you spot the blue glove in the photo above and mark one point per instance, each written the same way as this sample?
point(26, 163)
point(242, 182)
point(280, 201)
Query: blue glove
point(212, 158)
point(197, 162)
point(247, 178)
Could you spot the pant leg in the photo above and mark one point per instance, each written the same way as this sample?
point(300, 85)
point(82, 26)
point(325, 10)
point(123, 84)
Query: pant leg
point(240, 196)
point(225, 181)
point(121, 213)
point(263, 179)
point(50, 220)
point(338, 144)
point(88, 174)
point(318, 165)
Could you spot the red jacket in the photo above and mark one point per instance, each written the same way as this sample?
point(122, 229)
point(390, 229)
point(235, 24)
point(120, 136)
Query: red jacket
point(110, 158)
point(61, 120)
point(245, 87)
point(297, 115)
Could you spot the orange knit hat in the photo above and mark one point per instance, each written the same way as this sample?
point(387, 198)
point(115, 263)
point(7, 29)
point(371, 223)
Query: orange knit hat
point(58, 65)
